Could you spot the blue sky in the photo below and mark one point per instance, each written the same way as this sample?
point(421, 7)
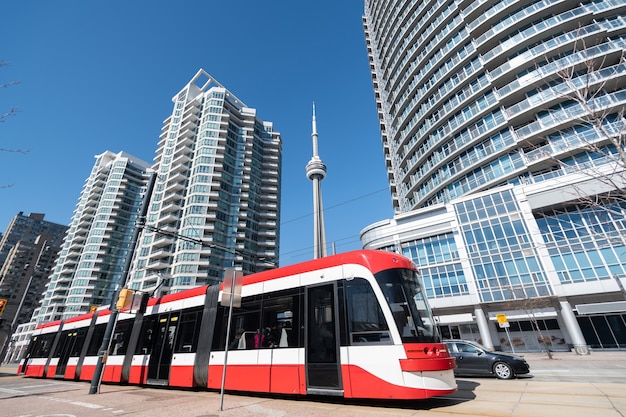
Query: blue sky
point(100, 75)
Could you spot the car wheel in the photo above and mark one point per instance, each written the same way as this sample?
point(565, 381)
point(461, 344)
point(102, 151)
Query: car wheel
point(503, 370)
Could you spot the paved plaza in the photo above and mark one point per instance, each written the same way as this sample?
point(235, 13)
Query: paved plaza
point(567, 385)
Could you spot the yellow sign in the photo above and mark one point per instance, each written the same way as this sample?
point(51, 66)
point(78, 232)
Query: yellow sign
point(502, 321)
point(3, 303)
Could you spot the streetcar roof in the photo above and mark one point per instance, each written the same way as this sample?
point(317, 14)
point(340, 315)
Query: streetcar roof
point(374, 260)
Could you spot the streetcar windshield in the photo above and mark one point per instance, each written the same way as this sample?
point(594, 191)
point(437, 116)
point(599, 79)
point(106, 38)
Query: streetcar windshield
point(411, 312)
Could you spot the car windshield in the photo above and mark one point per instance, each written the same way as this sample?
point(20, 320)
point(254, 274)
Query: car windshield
point(411, 312)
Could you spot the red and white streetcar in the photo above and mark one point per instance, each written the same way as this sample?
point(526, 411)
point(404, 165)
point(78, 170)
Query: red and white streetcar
point(355, 325)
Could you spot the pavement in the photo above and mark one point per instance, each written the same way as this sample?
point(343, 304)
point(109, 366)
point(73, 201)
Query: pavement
point(567, 385)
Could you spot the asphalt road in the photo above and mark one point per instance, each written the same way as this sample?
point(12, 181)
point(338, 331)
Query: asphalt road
point(567, 385)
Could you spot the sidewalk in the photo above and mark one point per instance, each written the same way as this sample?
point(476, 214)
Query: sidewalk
point(565, 359)
point(579, 396)
point(8, 368)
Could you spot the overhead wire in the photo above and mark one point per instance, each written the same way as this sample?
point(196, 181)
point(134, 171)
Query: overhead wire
point(353, 238)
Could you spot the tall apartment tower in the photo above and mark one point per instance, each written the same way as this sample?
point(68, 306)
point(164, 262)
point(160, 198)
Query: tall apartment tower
point(26, 229)
point(471, 94)
point(502, 124)
point(91, 260)
point(216, 201)
point(23, 279)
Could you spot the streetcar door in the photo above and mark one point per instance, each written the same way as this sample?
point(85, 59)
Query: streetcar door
point(164, 329)
point(64, 348)
point(322, 341)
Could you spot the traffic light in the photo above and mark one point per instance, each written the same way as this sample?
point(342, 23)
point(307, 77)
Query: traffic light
point(3, 303)
point(125, 299)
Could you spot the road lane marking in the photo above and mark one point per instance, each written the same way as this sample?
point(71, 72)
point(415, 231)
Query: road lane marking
point(78, 403)
point(539, 371)
point(11, 391)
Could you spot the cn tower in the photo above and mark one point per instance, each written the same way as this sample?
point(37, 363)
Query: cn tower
point(316, 172)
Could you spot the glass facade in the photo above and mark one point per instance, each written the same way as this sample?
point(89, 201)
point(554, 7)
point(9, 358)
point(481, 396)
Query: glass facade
point(440, 269)
point(585, 244)
point(502, 128)
point(91, 261)
point(501, 252)
point(218, 186)
point(604, 331)
point(496, 258)
point(470, 93)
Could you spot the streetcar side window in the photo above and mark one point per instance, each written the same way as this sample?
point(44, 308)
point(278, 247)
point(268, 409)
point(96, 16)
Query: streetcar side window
point(80, 340)
point(188, 331)
point(273, 321)
point(281, 321)
point(66, 338)
point(96, 340)
point(32, 346)
point(146, 338)
point(121, 336)
point(43, 343)
point(366, 322)
point(246, 331)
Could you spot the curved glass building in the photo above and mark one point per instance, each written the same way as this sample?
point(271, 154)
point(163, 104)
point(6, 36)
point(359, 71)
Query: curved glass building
point(475, 94)
point(503, 129)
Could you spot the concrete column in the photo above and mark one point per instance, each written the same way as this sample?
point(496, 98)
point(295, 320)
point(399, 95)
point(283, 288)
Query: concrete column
point(483, 327)
point(569, 319)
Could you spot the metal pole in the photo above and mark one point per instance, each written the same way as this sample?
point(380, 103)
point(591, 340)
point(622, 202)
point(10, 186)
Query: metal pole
point(506, 329)
point(104, 347)
point(94, 388)
point(230, 315)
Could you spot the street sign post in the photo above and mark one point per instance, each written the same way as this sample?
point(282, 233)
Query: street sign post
point(504, 324)
point(231, 298)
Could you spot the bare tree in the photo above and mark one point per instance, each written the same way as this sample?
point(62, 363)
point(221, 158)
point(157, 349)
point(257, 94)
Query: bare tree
point(11, 112)
point(584, 115)
point(530, 306)
point(587, 120)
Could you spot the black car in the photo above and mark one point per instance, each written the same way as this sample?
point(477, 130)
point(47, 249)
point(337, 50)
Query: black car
point(475, 359)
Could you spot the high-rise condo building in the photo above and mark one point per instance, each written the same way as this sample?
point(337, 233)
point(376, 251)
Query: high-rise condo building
point(28, 249)
point(23, 279)
point(26, 229)
point(216, 201)
point(503, 130)
point(91, 261)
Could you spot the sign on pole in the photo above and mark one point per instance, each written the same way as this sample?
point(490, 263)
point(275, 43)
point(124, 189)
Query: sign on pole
point(502, 320)
point(232, 287)
point(231, 298)
point(504, 324)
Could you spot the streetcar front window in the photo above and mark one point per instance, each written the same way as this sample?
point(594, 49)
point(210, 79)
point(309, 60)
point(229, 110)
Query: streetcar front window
point(411, 312)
